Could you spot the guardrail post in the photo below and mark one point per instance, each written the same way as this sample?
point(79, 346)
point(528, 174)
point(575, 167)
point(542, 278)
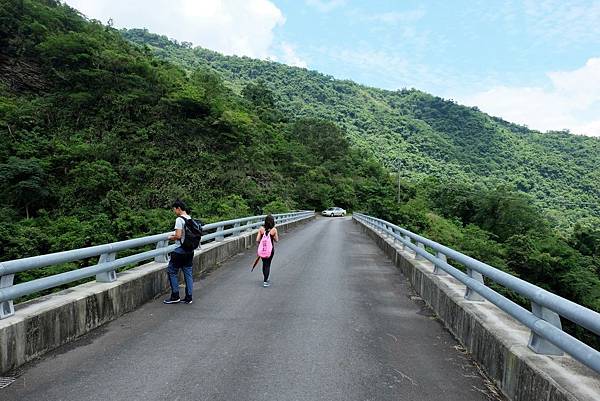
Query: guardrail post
point(402, 246)
point(471, 295)
point(436, 270)
point(164, 258)
point(7, 308)
point(221, 237)
point(236, 228)
point(539, 344)
point(408, 240)
point(393, 234)
point(110, 276)
point(421, 246)
point(249, 226)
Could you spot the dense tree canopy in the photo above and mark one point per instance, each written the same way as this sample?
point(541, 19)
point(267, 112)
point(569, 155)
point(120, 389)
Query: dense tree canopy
point(99, 136)
point(424, 135)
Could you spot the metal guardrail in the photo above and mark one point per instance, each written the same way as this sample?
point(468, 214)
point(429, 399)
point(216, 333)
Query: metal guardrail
point(547, 336)
point(105, 269)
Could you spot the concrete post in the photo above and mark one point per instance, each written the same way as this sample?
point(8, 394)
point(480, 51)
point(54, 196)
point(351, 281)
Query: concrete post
point(471, 295)
point(164, 258)
point(408, 240)
point(110, 276)
point(538, 344)
point(221, 237)
point(249, 225)
point(421, 246)
point(6, 308)
point(236, 228)
point(436, 270)
point(393, 234)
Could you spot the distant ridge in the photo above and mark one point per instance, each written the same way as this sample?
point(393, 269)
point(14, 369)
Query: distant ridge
point(422, 134)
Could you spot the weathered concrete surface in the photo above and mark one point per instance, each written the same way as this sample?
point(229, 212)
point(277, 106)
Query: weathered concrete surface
point(494, 339)
point(48, 322)
point(339, 323)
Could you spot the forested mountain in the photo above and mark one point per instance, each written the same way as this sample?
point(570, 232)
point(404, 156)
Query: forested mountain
point(424, 135)
point(99, 135)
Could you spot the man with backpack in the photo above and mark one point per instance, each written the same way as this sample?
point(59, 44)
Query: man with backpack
point(187, 237)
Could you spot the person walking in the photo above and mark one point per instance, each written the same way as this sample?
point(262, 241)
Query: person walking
point(265, 238)
point(180, 258)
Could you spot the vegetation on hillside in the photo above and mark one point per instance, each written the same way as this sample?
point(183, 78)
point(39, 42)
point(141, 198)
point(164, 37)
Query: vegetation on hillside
point(99, 135)
point(420, 134)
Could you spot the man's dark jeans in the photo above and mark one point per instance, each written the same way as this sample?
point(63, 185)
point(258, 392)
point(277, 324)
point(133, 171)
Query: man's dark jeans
point(184, 261)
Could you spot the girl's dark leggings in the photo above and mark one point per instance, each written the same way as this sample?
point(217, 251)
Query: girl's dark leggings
point(266, 262)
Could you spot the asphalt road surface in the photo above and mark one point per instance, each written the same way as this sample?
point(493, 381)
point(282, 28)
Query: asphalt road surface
point(338, 323)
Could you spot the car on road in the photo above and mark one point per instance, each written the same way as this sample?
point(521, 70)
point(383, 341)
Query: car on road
point(334, 211)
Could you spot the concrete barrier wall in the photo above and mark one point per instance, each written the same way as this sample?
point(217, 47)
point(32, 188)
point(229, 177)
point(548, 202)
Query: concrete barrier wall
point(43, 324)
point(496, 341)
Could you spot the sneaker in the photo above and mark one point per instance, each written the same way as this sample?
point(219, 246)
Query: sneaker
point(172, 300)
point(187, 300)
point(266, 284)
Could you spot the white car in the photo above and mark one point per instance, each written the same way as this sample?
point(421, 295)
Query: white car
point(334, 211)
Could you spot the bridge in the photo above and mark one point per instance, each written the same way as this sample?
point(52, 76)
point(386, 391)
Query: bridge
point(358, 309)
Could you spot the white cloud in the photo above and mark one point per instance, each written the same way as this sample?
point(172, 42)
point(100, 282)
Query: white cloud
point(385, 63)
point(397, 17)
point(565, 22)
point(241, 27)
point(290, 57)
point(572, 101)
point(386, 67)
point(325, 6)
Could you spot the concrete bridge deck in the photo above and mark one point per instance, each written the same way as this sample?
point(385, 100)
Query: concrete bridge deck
point(340, 322)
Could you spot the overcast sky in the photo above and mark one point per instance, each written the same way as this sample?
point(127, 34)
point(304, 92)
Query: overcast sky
point(534, 62)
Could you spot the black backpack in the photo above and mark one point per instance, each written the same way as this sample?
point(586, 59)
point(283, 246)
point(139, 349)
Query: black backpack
point(193, 234)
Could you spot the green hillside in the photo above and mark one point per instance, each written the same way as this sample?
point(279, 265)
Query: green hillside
point(425, 135)
point(98, 136)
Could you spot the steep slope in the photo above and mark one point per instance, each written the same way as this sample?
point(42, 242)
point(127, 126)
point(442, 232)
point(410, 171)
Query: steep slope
point(422, 134)
point(99, 136)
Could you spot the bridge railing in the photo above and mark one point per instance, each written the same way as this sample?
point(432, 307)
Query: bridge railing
point(105, 269)
point(547, 336)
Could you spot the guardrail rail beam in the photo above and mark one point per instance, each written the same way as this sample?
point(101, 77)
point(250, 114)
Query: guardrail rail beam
point(544, 322)
point(105, 269)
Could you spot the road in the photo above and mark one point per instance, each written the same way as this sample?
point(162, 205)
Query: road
point(339, 322)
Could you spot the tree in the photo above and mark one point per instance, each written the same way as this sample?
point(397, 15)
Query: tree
point(323, 138)
point(259, 94)
point(506, 213)
point(23, 183)
point(586, 236)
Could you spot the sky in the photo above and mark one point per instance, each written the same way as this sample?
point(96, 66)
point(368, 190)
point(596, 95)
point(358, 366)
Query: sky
point(532, 62)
